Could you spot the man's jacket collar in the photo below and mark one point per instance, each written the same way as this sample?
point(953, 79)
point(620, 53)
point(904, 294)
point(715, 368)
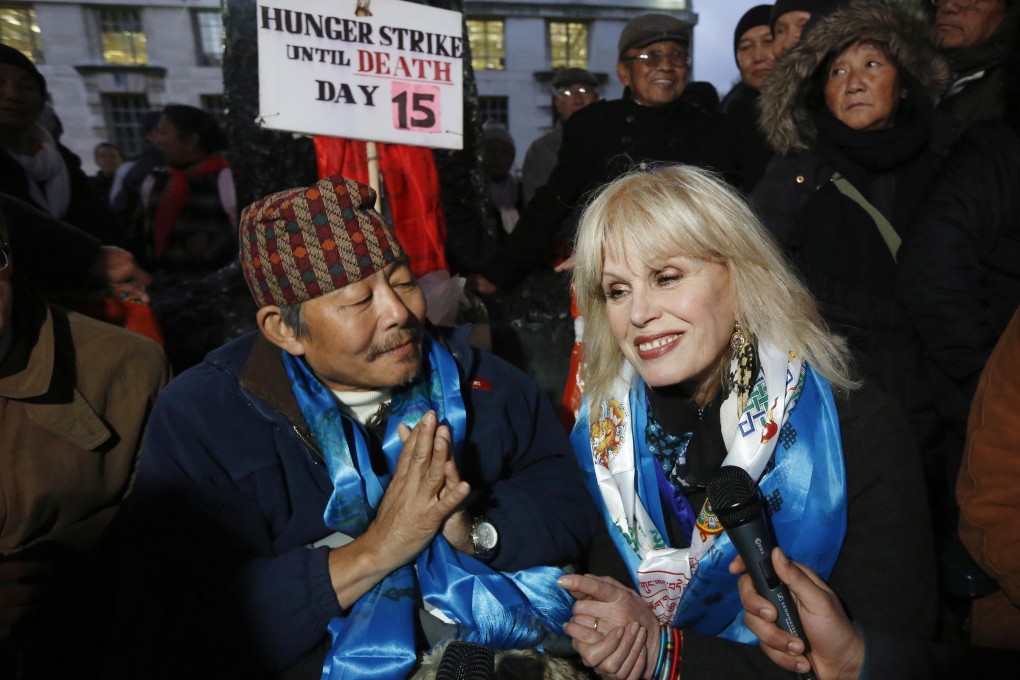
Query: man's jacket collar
point(39, 371)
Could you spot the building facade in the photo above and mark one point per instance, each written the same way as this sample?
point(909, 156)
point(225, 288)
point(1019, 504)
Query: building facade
point(106, 61)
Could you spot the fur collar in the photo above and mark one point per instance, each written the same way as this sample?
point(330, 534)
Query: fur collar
point(786, 117)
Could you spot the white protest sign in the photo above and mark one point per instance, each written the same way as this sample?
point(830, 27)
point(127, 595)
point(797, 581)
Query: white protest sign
point(395, 76)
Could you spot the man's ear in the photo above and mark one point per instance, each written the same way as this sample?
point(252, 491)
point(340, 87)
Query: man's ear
point(623, 73)
point(270, 322)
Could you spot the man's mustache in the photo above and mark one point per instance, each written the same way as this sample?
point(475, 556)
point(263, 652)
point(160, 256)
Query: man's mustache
point(398, 339)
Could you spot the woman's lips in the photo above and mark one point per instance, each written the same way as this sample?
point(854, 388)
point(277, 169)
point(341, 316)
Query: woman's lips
point(654, 346)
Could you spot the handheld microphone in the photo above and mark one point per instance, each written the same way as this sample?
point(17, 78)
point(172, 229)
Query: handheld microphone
point(736, 501)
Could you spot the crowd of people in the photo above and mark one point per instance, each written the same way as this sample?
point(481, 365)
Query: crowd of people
point(814, 278)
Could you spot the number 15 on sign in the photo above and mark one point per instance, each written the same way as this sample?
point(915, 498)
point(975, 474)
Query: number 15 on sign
point(415, 107)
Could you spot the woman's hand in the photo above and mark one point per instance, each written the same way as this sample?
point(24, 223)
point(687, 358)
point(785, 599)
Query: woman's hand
point(613, 629)
point(837, 648)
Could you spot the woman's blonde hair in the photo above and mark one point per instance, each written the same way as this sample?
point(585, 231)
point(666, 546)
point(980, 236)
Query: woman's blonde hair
point(684, 210)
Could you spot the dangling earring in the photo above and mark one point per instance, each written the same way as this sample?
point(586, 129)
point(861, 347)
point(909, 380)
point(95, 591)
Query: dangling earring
point(737, 340)
point(743, 378)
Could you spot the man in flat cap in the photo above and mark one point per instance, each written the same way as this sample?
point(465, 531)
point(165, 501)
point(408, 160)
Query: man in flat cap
point(652, 122)
point(311, 488)
point(573, 89)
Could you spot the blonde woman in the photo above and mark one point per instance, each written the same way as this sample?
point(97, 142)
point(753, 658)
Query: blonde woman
point(702, 348)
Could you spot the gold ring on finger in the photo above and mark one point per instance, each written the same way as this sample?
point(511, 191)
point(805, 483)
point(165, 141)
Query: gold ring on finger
point(596, 626)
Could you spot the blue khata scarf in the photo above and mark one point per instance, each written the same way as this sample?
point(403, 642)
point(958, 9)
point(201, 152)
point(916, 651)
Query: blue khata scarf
point(789, 423)
point(377, 637)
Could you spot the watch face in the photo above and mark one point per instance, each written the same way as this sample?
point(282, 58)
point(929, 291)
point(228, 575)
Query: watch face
point(484, 536)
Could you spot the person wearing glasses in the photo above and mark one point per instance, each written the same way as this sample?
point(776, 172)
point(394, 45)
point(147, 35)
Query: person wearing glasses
point(978, 37)
point(573, 89)
point(651, 122)
point(75, 394)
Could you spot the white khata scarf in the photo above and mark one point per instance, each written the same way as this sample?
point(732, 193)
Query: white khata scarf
point(49, 182)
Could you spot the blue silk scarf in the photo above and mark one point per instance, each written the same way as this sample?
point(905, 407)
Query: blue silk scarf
point(805, 490)
point(377, 637)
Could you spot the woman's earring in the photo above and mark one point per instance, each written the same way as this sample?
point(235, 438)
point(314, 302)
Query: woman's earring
point(743, 378)
point(737, 340)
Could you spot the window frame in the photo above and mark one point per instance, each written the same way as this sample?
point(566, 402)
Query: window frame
point(110, 21)
point(123, 123)
point(567, 59)
point(205, 58)
point(495, 108)
point(33, 36)
point(486, 56)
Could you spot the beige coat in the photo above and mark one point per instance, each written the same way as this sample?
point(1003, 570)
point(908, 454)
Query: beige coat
point(74, 397)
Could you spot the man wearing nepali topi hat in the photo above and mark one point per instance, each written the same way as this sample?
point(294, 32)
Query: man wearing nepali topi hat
point(312, 488)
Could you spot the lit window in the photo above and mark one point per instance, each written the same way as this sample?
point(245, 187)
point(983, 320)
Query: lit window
point(568, 44)
point(496, 109)
point(18, 29)
point(123, 38)
point(487, 44)
point(210, 37)
point(123, 121)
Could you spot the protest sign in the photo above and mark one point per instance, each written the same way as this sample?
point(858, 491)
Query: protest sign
point(395, 76)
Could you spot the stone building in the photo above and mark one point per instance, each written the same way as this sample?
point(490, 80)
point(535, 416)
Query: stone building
point(105, 62)
point(516, 45)
point(108, 60)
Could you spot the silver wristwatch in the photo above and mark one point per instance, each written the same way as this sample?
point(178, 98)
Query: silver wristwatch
point(484, 538)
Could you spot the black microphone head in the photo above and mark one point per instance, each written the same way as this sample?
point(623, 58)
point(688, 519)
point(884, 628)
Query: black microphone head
point(734, 496)
point(466, 661)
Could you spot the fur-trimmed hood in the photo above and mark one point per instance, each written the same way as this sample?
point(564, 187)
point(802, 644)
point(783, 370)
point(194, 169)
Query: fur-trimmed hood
point(786, 116)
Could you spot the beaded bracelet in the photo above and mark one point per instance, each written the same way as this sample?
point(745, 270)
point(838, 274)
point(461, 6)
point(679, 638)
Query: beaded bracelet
point(663, 628)
point(678, 649)
point(671, 644)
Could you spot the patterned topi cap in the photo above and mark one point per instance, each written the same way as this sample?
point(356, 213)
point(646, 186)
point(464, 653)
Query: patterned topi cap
point(302, 243)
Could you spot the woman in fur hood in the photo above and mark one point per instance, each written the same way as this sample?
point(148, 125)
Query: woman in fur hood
point(850, 114)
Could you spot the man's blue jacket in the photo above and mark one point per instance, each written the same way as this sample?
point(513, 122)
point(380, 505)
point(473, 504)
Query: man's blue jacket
point(218, 577)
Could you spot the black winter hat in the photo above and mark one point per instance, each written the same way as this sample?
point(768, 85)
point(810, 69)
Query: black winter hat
point(758, 15)
point(9, 55)
point(812, 7)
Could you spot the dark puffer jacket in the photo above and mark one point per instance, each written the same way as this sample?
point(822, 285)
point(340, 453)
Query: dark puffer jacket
point(601, 142)
point(959, 269)
point(833, 238)
point(838, 245)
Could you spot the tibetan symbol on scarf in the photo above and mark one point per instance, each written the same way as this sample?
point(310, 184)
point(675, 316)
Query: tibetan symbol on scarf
point(708, 523)
point(769, 427)
point(691, 586)
point(607, 432)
